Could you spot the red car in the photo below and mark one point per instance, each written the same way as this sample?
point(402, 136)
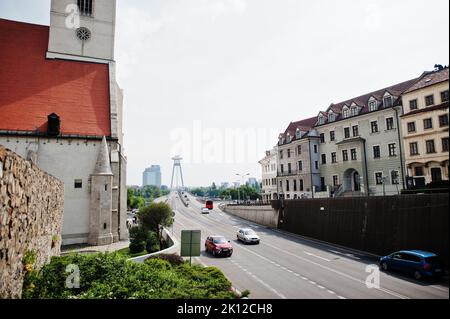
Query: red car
point(218, 246)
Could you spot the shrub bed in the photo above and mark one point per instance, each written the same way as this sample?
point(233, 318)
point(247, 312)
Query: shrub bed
point(112, 276)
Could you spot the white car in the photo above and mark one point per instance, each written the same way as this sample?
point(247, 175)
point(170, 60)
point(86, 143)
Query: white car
point(205, 210)
point(248, 236)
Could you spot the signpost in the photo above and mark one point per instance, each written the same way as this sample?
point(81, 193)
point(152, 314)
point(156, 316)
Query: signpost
point(190, 243)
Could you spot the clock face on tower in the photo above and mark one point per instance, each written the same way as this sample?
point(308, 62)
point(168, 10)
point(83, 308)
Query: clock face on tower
point(83, 34)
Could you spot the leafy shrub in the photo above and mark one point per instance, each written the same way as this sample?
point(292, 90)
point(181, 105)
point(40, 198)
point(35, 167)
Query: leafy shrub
point(152, 243)
point(137, 247)
point(173, 259)
point(112, 276)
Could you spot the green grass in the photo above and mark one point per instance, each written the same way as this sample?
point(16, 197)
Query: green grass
point(126, 252)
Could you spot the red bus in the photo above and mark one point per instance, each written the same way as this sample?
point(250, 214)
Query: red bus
point(209, 204)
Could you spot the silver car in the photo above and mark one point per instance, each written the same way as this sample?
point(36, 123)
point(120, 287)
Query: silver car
point(248, 236)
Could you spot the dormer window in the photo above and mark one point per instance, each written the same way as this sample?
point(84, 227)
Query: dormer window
point(346, 112)
point(321, 120)
point(373, 106)
point(298, 134)
point(85, 7)
point(387, 101)
point(354, 111)
point(331, 117)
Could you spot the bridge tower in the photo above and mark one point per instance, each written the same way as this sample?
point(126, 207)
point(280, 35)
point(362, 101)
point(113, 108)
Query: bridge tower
point(177, 172)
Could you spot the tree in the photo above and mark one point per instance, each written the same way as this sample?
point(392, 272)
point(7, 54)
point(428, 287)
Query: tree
point(154, 217)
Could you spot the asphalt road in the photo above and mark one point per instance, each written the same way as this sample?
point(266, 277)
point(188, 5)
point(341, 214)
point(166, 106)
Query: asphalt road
point(290, 267)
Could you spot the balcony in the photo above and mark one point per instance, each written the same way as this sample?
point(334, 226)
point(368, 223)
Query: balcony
point(289, 173)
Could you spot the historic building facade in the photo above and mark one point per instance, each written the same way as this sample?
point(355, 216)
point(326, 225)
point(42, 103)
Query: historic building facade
point(360, 144)
point(298, 160)
point(61, 108)
point(269, 175)
point(425, 126)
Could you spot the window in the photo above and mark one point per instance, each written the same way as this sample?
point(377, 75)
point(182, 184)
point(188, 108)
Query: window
point(301, 185)
point(430, 147)
point(300, 166)
point(281, 185)
point(413, 105)
point(295, 185)
point(316, 164)
point(331, 117)
point(85, 7)
point(445, 144)
point(333, 158)
point(324, 159)
point(444, 96)
point(427, 124)
point(376, 151)
point(354, 111)
point(413, 149)
point(345, 155)
point(335, 180)
point(394, 178)
point(321, 120)
point(429, 100)
point(379, 178)
point(390, 123)
point(346, 132)
point(353, 154)
point(355, 130)
point(411, 127)
point(282, 168)
point(332, 136)
point(289, 153)
point(373, 106)
point(78, 183)
point(374, 126)
point(322, 138)
point(287, 186)
point(316, 149)
point(392, 149)
point(418, 171)
point(299, 149)
point(387, 101)
point(289, 168)
point(443, 120)
point(281, 154)
point(346, 112)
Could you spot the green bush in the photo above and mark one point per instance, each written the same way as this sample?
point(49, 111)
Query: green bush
point(137, 247)
point(173, 259)
point(152, 243)
point(141, 238)
point(112, 276)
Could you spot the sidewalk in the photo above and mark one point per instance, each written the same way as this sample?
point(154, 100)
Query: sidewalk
point(91, 249)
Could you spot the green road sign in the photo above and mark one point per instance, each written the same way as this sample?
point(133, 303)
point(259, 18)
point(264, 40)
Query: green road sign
point(190, 243)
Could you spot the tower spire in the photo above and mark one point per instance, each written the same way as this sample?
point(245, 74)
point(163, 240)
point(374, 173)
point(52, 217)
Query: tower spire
point(102, 166)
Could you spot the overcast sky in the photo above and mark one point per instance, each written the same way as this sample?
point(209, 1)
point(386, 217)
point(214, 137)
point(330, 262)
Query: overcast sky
point(196, 71)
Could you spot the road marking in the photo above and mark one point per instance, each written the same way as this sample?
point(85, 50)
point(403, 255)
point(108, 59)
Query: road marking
point(344, 254)
point(311, 254)
point(320, 287)
point(331, 292)
point(340, 297)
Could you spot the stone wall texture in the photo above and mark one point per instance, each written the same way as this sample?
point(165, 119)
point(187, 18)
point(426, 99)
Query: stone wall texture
point(31, 215)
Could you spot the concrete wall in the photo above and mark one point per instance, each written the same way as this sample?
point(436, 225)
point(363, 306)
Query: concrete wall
point(263, 215)
point(31, 217)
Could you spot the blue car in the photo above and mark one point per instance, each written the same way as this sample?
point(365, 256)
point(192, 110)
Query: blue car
point(418, 263)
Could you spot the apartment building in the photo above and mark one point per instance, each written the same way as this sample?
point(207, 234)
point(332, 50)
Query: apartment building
point(269, 175)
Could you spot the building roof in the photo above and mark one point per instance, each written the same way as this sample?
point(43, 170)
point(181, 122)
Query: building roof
point(32, 87)
point(429, 78)
point(304, 125)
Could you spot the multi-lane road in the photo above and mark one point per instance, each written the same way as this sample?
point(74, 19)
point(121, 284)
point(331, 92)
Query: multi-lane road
point(288, 266)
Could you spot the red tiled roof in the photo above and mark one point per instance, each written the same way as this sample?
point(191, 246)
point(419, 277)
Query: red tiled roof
point(430, 78)
point(32, 87)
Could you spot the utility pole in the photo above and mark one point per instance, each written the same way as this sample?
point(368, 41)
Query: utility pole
point(243, 176)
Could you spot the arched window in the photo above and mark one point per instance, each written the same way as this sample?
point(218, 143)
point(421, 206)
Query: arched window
point(85, 7)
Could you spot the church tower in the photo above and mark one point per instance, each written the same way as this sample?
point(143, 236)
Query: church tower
point(100, 225)
point(82, 30)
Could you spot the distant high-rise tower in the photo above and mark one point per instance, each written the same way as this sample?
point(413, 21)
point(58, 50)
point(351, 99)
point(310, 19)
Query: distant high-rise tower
point(178, 172)
point(152, 176)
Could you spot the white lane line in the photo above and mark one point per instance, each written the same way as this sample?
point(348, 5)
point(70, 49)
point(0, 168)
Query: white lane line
point(320, 287)
point(331, 292)
point(311, 254)
point(390, 292)
point(340, 297)
point(344, 254)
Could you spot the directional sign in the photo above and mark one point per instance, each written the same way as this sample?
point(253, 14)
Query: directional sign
point(190, 243)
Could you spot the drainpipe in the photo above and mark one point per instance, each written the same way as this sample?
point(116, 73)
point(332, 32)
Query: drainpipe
point(402, 166)
point(311, 167)
point(367, 168)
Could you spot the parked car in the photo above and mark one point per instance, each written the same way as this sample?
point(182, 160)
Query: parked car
point(418, 263)
point(205, 210)
point(248, 236)
point(218, 246)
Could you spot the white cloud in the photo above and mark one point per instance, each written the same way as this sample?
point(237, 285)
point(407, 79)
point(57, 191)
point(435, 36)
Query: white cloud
point(218, 8)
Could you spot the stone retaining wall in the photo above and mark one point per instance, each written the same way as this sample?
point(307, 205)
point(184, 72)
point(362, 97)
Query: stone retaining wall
point(31, 215)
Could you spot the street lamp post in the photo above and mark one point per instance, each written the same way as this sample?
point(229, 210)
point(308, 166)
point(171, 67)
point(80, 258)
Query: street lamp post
point(242, 176)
